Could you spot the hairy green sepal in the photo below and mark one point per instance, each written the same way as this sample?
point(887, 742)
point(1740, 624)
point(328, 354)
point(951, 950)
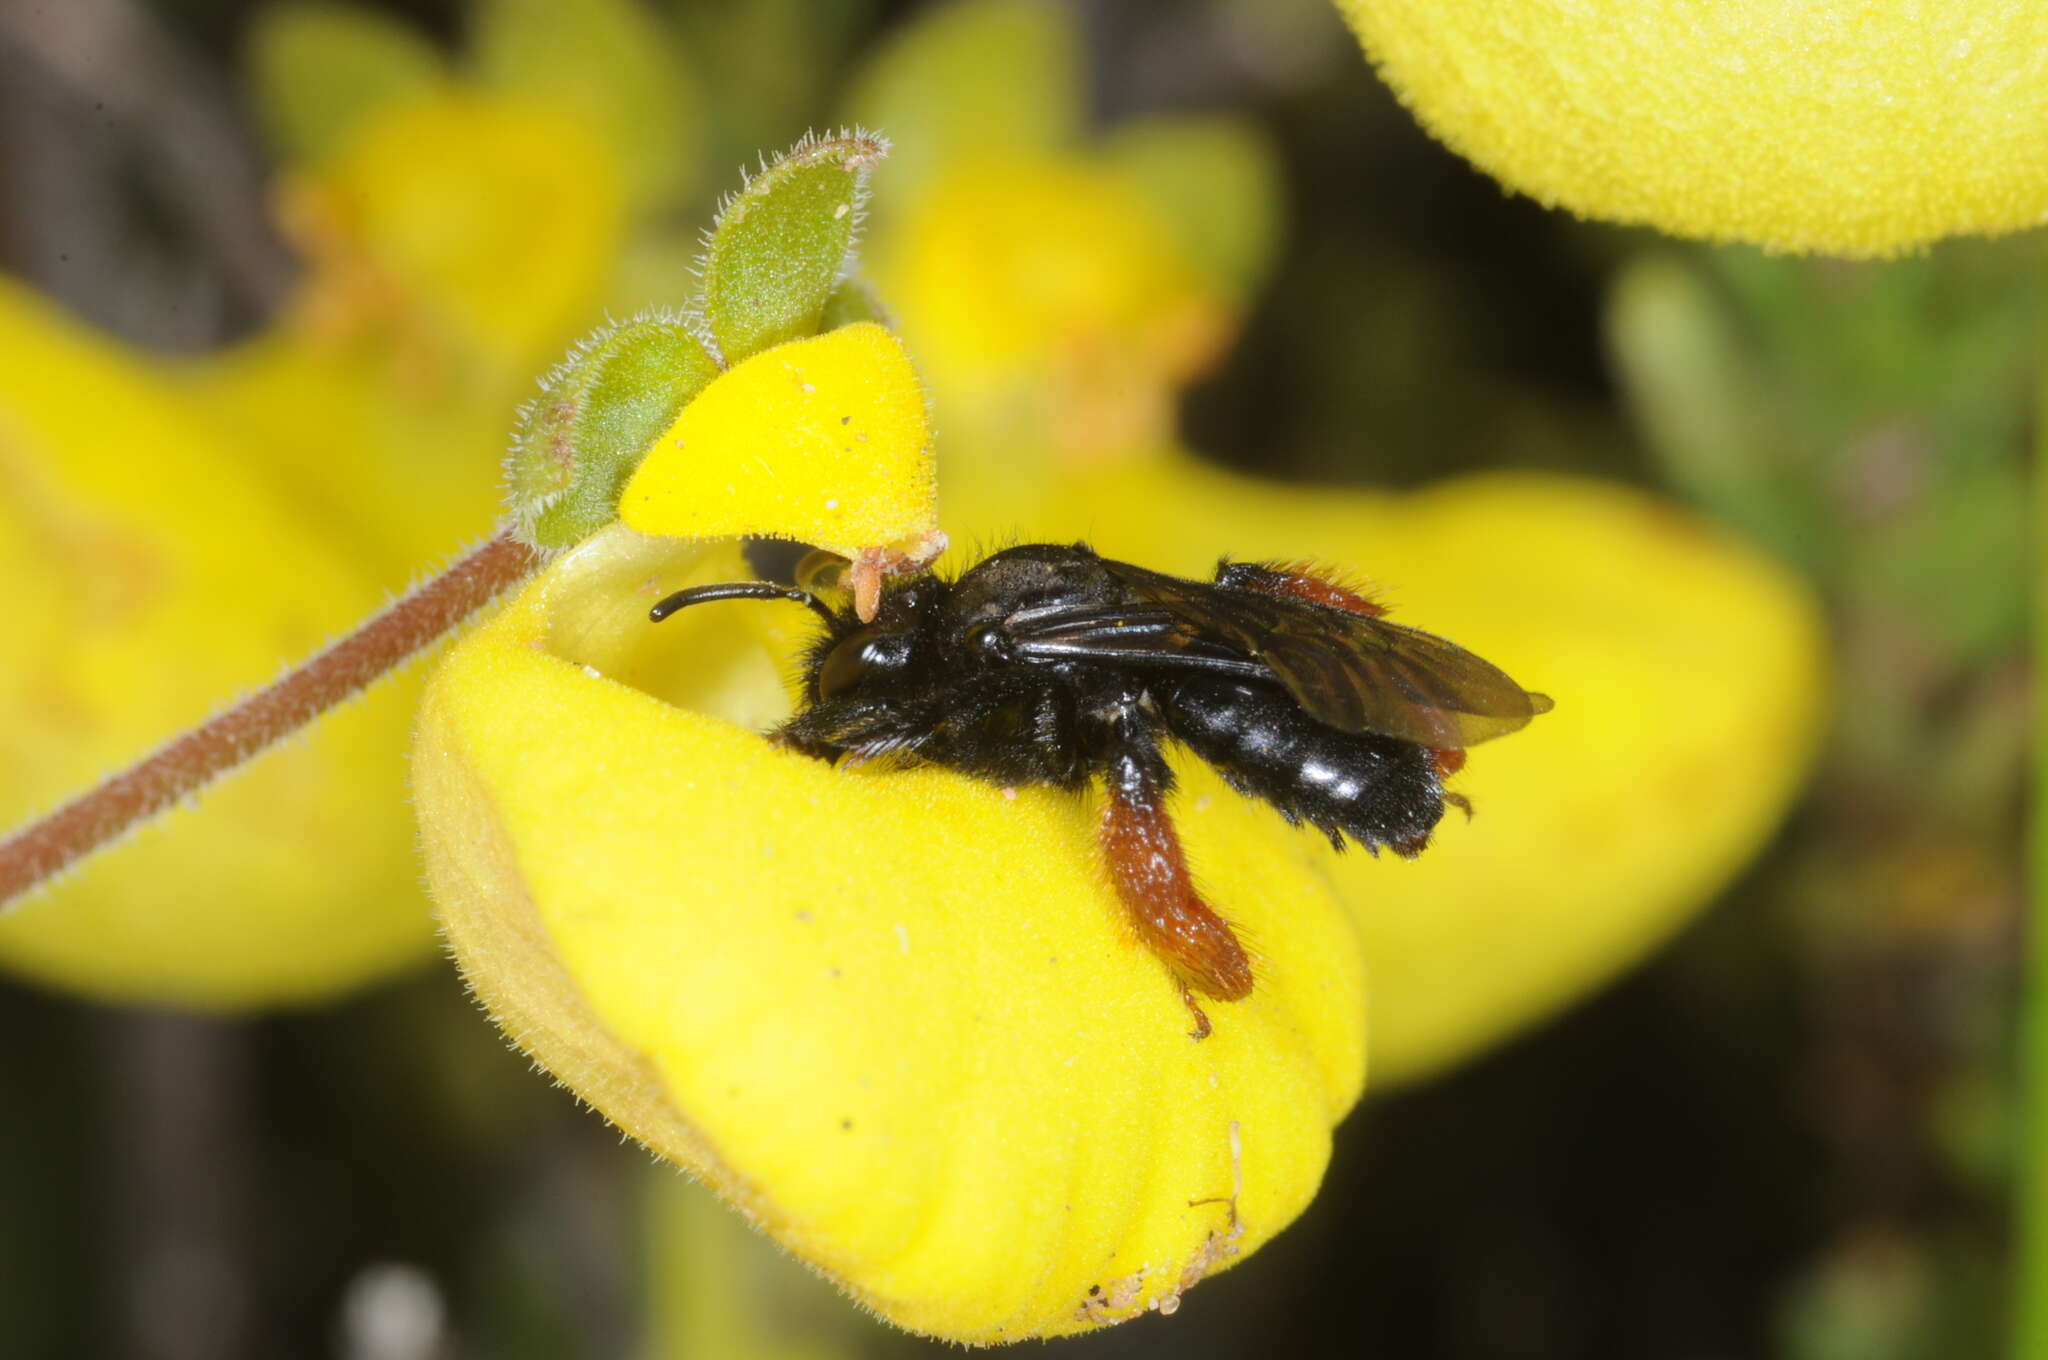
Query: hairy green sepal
point(596, 417)
point(782, 243)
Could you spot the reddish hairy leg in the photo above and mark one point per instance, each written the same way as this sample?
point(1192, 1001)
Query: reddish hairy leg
point(1152, 880)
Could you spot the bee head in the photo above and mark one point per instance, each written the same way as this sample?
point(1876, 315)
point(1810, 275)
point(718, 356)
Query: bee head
point(870, 659)
point(870, 685)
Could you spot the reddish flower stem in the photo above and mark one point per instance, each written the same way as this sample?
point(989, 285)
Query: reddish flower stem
point(189, 763)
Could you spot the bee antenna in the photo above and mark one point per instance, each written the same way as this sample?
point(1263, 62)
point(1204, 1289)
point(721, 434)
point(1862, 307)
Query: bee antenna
point(740, 590)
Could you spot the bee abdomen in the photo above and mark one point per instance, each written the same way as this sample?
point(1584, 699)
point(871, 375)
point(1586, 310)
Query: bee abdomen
point(1376, 790)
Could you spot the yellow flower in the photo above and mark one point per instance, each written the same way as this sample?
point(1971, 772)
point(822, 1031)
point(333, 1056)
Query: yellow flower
point(897, 1016)
point(1866, 129)
point(149, 576)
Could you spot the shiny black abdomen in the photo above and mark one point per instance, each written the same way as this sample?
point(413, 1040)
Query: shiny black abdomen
point(1376, 790)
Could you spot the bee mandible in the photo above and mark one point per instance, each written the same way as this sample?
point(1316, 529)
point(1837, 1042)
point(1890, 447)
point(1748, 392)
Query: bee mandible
point(1051, 664)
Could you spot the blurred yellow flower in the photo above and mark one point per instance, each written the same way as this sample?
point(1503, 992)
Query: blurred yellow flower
point(420, 218)
point(150, 575)
point(382, 397)
point(1866, 129)
point(280, 491)
point(1057, 291)
point(1050, 305)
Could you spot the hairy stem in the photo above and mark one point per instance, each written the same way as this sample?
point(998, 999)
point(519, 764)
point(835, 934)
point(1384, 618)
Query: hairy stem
point(189, 763)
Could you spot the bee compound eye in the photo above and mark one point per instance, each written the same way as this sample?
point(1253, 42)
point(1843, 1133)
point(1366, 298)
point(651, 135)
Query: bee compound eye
point(860, 658)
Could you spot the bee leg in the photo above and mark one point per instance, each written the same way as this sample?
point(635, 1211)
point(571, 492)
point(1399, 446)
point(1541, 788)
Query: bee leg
point(1150, 872)
point(1201, 1029)
point(1296, 581)
point(1448, 763)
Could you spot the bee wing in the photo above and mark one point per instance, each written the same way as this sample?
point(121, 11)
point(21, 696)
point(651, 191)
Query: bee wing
point(1401, 682)
point(1143, 637)
point(1353, 671)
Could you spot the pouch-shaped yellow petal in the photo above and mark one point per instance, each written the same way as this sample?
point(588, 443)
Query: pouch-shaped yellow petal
point(147, 577)
point(1862, 129)
point(1688, 671)
point(897, 1016)
point(823, 440)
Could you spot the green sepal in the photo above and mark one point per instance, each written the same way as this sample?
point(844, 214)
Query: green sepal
point(853, 300)
point(596, 417)
point(781, 244)
point(318, 69)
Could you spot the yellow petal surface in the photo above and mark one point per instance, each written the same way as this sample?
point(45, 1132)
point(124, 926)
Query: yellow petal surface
point(1859, 129)
point(1688, 672)
point(147, 577)
point(896, 1016)
point(823, 440)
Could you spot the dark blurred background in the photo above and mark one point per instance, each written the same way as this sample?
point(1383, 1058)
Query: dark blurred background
point(1784, 1135)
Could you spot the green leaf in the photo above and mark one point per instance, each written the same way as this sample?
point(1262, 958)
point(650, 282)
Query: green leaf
point(1215, 180)
point(610, 63)
point(597, 415)
point(317, 70)
point(781, 244)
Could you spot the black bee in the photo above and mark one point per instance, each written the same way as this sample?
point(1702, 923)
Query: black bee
point(1054, 665)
